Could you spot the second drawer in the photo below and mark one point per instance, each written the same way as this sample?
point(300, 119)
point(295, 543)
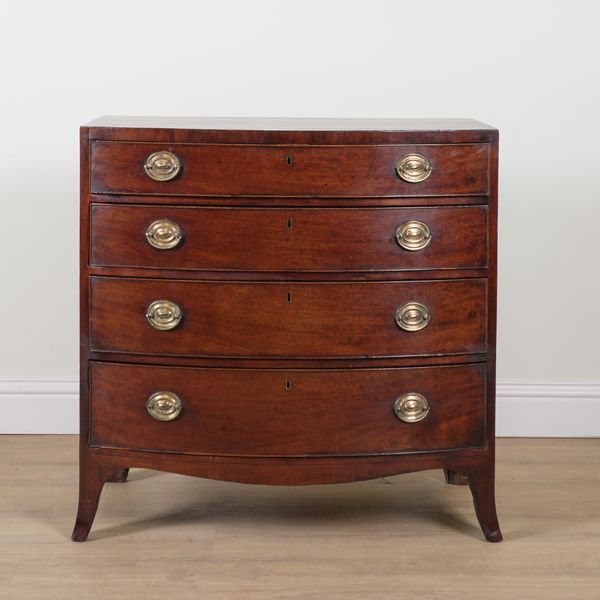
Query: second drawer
point(273, 239)
point(293, 320)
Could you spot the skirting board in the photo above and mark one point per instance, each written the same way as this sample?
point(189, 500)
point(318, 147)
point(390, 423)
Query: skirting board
point(524, 409)
point(39, 406)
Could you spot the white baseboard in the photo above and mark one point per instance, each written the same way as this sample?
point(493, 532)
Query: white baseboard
point(547, 409)
point(39, 406)
point(524, 409)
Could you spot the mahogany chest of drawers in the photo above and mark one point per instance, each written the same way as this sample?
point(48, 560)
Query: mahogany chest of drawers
point(288, 302)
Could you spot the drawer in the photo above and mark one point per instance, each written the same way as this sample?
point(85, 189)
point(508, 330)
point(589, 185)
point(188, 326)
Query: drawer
point(284, 413)
point(291, 171)
point(302, 239)
point(288, 319)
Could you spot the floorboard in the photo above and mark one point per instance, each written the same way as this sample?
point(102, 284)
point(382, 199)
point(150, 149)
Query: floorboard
point(412, 536)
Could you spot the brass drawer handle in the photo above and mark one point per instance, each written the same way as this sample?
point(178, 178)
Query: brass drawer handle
point(162, 166)
point(413, 235)
point(411, 407)
point(164, 406)
point(412, 316)
point(163, 234)
point(413, 168)
point(164, 315)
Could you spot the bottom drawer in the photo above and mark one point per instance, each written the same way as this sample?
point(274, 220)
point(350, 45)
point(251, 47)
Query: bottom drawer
point(287, 412)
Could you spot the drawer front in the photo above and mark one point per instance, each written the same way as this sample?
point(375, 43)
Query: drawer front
point(304, 239)
point(260, 170)
point(288, 319)
point(284, 413)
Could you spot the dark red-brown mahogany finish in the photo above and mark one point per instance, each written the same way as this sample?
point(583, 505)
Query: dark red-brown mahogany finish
point(299, 315)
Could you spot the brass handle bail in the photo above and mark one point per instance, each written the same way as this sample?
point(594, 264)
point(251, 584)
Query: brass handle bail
point(413, 235)
point(164, 406)
point(412, 316)
point(411, 408)
point(164, 315)
point(162, 166)
point(413, 168)
point(163, 234)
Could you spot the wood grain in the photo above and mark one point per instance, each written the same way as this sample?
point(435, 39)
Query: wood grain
point(300, 320)
point(252, 319)
point(262, 170)
point(289, 131)
point(240, 125)
point(287, 413)
point(287, 201)
point(161, 535)
point(274, 239)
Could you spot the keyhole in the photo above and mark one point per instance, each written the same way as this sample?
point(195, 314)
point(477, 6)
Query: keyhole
point(288, 384)
point(289, 297)
point(289, 160)
point(290, 223)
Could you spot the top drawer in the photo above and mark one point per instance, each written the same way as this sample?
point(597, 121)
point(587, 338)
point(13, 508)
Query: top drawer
point(289, 171)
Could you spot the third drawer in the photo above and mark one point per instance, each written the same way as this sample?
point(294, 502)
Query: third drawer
point(289, 320)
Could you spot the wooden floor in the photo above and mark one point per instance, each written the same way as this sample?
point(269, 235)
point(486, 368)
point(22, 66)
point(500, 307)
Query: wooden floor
point(413, 536)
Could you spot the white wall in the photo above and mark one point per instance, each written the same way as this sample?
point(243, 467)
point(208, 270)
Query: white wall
point(529, 68)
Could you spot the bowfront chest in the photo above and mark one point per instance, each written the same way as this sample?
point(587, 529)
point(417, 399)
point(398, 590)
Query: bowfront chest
point(288, 302)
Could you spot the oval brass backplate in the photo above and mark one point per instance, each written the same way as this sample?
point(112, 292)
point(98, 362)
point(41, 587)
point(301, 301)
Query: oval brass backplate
point(411, 408)
point(413, 235)
point(164, 315)
point(412, 316)
point(162, 166)
point(413, 168)
point(164, 406)
point(163, 234)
